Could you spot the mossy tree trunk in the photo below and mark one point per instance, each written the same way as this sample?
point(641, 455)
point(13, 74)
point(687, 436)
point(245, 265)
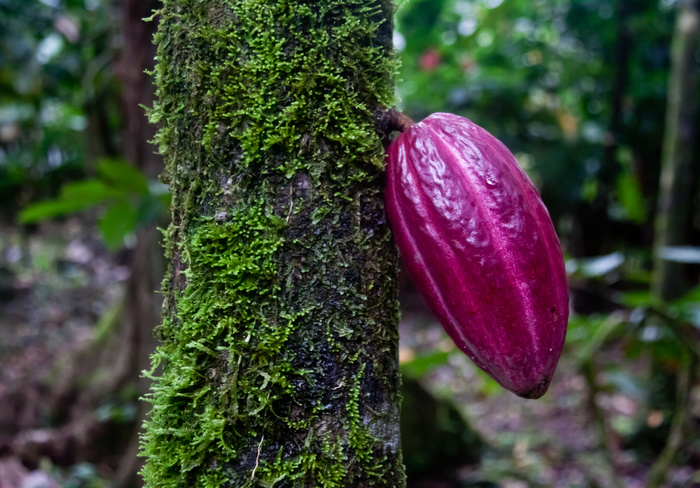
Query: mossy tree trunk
point(279, 335)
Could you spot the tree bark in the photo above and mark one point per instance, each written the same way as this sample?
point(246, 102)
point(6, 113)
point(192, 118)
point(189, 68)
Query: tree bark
point(678, 170)
point(279, 329)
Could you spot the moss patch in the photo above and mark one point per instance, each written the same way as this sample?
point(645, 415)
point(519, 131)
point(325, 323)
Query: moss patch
point(225, 314)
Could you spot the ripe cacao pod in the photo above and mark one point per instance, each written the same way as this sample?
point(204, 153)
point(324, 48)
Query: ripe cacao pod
point(481, 248)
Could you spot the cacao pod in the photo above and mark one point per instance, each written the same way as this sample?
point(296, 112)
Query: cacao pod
point(481, 248)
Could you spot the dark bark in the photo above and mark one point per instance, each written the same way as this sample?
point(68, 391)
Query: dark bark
point(138, 57)
point(280, 317)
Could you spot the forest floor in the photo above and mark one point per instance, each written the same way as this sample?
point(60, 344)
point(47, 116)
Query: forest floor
point(58, 282)
point(555, 441)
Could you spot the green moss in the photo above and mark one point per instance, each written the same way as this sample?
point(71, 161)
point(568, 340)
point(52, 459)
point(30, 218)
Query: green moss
point(271, 78)
point(225, 316)
point(279, 331)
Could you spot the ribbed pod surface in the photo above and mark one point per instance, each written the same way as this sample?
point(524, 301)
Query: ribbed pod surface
point(480, 246)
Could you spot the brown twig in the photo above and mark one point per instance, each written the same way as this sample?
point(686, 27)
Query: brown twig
point(390, 120)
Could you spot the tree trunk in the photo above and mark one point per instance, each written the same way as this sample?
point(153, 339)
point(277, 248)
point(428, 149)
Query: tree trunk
point(676, 187)
point(280, 318)
point(109, 368)
point(678, 170)
point(142, 304)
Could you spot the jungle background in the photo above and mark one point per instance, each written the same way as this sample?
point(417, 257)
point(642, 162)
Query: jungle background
point(579, 91)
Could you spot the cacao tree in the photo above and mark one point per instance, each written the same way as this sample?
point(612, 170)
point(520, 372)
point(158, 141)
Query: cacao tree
point(279, 333)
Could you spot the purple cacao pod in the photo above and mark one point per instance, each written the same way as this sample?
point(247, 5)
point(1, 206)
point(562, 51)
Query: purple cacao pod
point(481, 248)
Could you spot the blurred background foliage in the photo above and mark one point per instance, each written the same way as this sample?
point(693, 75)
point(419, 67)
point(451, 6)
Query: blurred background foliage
point(59, 104)
point(577, 89)
point(61, 118)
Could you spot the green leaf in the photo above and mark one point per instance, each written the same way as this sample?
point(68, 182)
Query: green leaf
point(693, 296)
point(48, 209)
point(74, 197)
point(421, 365)
point(634, 299)
point(118, 222)
point(122, 175)
point(318, 214)
point(89, 193)
point(631, 199)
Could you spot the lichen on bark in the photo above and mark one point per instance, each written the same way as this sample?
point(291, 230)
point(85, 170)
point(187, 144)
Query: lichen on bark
point(279, 334)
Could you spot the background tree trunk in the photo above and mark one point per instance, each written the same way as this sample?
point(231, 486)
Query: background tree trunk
point(108, 369)
point(280, 317)
point(678, 168)
point(124, 353)
point(142, 304)
point(676, 188)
